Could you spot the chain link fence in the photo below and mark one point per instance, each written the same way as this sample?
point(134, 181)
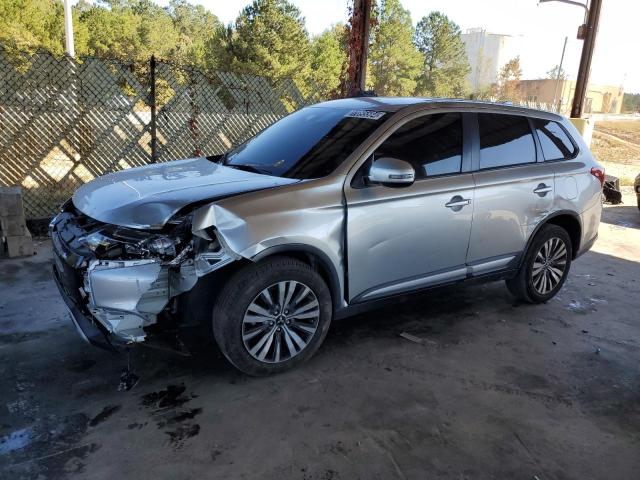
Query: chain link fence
point(64, 121)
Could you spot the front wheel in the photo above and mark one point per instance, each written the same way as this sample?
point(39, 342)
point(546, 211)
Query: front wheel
point(545, 267)
point(272, 316)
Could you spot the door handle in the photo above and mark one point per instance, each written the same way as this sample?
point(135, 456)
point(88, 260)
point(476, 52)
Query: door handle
point(541, 190)
point(457, 202)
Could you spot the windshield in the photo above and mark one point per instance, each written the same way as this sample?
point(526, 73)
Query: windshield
point(309, 143)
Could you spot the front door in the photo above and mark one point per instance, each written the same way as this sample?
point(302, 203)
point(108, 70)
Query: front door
point(405, 238)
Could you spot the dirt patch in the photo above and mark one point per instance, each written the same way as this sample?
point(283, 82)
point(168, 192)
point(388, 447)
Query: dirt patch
point(628, 130)
point(617, 146)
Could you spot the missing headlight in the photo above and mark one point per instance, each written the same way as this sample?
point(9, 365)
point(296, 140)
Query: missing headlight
point(161, 245)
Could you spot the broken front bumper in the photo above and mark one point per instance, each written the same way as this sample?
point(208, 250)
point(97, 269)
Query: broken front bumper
point(113, 301)
point(88, 329)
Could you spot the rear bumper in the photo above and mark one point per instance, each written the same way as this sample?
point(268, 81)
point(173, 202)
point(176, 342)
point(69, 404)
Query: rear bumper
point(590, 222)
point(587, 246)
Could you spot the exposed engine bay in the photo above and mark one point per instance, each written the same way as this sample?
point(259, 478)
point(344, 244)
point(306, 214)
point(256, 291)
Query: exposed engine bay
point(124, 278)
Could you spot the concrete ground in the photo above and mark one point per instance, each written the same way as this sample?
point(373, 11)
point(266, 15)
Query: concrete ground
point(498, 390)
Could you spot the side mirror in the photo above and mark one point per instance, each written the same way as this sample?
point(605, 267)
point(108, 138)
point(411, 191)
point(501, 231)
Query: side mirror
point(392, 172)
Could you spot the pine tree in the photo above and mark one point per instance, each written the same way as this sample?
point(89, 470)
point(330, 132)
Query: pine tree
point(328, 61)
point(395, 61)
point(445, 61)
point(268, 39)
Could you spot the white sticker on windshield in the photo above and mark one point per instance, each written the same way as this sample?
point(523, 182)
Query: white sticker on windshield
point(368, 114)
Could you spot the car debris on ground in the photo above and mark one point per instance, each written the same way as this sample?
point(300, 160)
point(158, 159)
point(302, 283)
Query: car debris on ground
point(422, 341)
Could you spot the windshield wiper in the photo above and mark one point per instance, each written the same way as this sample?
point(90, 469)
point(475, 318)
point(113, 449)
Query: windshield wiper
point(250, 168)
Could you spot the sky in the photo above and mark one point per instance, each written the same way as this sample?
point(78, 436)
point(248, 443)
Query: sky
point(538, 29)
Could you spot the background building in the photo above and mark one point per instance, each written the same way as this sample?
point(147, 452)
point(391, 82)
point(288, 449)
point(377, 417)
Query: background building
point(599, 98)
point(487, 53)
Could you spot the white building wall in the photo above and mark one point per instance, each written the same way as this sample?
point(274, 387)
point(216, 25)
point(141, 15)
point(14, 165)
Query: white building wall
point(487, 53)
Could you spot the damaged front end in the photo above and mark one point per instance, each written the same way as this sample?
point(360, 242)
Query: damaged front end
point(120, 281)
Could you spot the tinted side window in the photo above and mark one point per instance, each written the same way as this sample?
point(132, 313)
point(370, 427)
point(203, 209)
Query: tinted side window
point(505, 140)
point(556, 144)
point(432, 144)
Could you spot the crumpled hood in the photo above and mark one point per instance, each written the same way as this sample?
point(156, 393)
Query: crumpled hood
point(147, 197)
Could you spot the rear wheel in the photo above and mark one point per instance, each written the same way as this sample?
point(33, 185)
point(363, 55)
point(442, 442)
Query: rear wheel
point(545, 266)
point(272, 316)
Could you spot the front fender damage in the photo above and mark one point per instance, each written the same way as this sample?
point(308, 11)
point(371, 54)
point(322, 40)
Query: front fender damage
point(231, 231)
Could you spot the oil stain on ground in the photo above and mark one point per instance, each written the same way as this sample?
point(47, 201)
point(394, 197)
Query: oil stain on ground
point(167, 406)
point(171, 397)
point(104, 414)
point(182, 433)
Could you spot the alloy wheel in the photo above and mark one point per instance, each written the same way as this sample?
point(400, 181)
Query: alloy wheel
point(549, 265)
point(280, 321)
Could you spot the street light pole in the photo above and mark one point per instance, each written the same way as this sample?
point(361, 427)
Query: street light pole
point(585, 59)
point(588, 33)
point(68, 29)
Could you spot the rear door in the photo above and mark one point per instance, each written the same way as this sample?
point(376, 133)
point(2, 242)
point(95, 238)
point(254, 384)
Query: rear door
point(514, 190)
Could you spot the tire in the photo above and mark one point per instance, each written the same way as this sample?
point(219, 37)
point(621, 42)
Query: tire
point(537, 281)
point(243, 316)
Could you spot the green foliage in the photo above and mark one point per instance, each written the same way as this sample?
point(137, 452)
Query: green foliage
point(631, 102)
point(553, 73)
point(395, 60)
point(445, 61)
point(268, 38)
point(137, 29)
point(26, 25)
point(328, 60)
point(125, 29)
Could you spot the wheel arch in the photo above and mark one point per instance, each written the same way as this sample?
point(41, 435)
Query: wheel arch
point(569, 221)
point(314, 257)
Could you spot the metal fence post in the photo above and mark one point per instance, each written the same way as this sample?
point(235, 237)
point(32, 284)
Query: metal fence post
point(152, 102)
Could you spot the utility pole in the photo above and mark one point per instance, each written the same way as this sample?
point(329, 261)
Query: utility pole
point(358, 48)
point(68, 29)
point(593, 17)
point(555, 93)
point(586, 32)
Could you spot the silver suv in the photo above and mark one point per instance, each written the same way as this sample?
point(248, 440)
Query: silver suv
point(327, 212)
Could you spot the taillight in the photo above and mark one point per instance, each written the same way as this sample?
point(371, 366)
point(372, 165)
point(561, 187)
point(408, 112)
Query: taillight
point(599, 174)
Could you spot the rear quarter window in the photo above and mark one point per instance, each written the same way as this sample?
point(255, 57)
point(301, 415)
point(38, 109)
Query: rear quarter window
point(554, 140)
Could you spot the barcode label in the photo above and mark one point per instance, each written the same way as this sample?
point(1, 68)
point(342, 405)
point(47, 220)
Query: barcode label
point(368, 114)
